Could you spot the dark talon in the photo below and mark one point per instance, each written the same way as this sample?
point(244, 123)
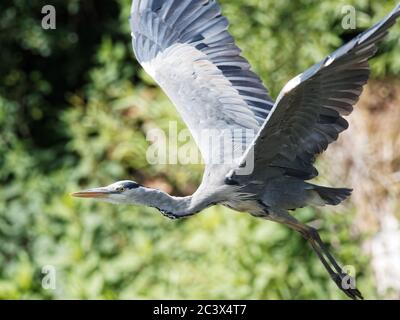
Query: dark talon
point(353, 293)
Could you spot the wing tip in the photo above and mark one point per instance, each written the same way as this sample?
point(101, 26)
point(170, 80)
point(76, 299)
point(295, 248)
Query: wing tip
point(394, 14)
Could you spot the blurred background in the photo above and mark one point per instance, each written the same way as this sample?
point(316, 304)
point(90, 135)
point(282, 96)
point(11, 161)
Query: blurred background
point(74, 111)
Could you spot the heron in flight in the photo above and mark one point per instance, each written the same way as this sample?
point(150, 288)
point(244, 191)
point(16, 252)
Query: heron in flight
point(186, 47)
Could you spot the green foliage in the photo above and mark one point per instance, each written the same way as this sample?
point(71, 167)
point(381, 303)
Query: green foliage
point(74, 110)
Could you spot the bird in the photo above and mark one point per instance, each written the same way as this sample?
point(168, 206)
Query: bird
point(185, 45)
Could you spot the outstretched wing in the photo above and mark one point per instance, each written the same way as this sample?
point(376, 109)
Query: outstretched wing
point(307, 115)
point(185, 46)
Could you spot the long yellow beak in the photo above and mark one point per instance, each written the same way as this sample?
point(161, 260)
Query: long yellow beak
point(92, 193)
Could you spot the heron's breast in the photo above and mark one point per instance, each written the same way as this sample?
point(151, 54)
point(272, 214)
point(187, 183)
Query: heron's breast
point(251, 206)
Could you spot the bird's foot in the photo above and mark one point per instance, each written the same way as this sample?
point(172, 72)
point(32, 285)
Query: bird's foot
point(347, 284)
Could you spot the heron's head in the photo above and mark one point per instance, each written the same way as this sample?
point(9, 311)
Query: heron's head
point(119, 192)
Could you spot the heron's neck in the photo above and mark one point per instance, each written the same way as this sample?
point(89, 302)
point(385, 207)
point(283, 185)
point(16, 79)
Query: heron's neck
point(170, 205)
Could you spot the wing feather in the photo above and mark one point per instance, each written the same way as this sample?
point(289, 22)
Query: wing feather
point(308, 114)
point(186, 47)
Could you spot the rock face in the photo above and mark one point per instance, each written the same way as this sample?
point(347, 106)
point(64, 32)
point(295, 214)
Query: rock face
point(385, 253)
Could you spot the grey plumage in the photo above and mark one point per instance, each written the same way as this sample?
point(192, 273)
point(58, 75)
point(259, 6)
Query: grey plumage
point(158, 25)
point(307, 115)
point(185, 45)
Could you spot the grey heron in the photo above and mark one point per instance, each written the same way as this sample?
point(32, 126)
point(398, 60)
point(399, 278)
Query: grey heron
point(186, 47)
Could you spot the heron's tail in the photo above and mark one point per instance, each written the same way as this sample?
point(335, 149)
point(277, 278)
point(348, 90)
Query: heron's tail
point(332, 196)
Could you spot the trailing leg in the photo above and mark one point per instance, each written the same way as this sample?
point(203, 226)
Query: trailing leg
point(344, 281)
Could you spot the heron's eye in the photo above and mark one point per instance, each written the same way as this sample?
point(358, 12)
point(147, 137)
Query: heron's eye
point(120, 189)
